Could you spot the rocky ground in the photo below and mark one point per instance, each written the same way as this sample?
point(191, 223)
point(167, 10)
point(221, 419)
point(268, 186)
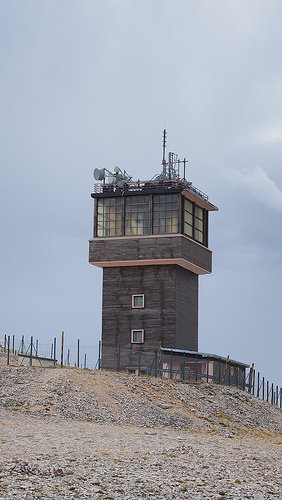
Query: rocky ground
point(69, 433)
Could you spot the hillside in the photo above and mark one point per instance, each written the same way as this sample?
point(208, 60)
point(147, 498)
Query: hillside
point(126, 399)
point(69, 433)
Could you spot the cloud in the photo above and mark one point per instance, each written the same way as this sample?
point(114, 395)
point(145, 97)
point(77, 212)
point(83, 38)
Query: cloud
point(257, 183)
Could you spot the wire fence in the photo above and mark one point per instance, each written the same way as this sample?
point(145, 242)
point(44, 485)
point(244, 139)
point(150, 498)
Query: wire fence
point(180, 365)
point(30, 351)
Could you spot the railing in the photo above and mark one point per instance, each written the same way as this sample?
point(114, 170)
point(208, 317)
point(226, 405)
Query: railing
point(133, 186)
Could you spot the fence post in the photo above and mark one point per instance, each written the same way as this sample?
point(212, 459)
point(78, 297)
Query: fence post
point(8, 351)
point(77, 353)
point(55, 341)
point(99, 358)
point(156, 362)
point(22, 345)
point(183, 369)
point(272, 394)
point(170, 364)
point(84, 360)
point(280, 397)
point(267, 391)
point(68, 358)
point(263, 388)
point(5, 342)
point(62, 350)
point(139, 362)
point(229, 373)
point(254, 381)
point(13, 345)
point(31, 346)
point(258, 386)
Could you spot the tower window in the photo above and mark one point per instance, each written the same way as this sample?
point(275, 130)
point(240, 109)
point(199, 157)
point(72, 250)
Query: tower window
point(195, 222)
point(137, 215)
point(165, 214)
point(109, 217)
point(137, 336)
point(138, 301)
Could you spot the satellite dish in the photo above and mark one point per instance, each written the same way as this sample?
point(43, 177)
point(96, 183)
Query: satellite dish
point(116, 169)
point(99, 174)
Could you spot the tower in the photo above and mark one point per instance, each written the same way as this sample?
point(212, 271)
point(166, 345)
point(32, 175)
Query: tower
point(151, 239)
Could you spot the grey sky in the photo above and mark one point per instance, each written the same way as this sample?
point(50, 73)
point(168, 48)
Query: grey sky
point(88, 84)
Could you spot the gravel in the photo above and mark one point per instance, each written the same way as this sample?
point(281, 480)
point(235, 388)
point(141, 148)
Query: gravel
point(70, 433)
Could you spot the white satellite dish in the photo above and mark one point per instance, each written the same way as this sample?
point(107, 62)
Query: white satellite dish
point(99, 174)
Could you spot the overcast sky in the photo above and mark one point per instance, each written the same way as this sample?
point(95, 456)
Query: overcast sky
point(91, 83)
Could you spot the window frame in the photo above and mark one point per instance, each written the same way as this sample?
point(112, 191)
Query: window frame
point(132, 300)
point(137, 341)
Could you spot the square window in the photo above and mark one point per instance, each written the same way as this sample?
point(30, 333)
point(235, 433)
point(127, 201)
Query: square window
point(137, 336)
point(137, 301)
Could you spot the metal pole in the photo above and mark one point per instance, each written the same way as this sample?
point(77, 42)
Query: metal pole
point(62, 350)
point(77, 353)
point(258, 386)
point(280, 397)
point(84, 360)
point(13, 345)
point(267, 391)
point(263, 388)
point(5, 342)
point(139, 362)
point(8, 351)
point(68, 358)
point(36, 348)
point(22, 345)
point(55, 341)
point(118, 367)
point(272, 394)
point(254, 380)
point(99, 358)
point(31, 346)
point(156, 362)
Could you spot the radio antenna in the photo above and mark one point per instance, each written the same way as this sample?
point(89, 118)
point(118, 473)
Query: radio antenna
point(164, 151)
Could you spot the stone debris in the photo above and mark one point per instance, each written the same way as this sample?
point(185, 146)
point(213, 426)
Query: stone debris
point(69, 433)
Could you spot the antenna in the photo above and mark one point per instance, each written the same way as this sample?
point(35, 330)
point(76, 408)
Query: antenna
point(164, 150)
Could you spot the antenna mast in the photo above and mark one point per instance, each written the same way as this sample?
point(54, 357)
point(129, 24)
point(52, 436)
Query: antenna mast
point(164, 150)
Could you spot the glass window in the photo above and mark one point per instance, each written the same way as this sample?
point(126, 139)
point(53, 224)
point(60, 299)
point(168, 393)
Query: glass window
point(137, 215)
point(165, 214)
point(199, 224)
point(188, 218)
point(109, 217)
point(194, 221)
point(137, 301)
point(137, 336)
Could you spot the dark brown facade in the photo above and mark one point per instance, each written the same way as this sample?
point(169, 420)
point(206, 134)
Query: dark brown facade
point(169, 315)
point(152, 243)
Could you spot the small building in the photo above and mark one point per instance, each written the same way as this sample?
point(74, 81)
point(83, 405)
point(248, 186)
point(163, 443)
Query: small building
point(151, 240)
